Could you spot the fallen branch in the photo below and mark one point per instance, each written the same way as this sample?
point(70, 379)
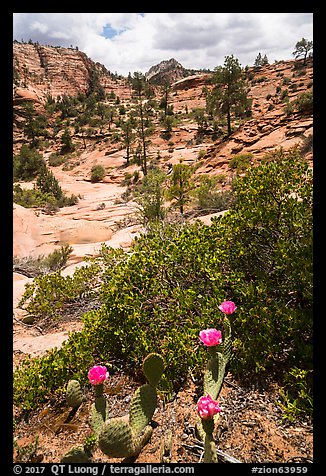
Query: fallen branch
point(224, 458)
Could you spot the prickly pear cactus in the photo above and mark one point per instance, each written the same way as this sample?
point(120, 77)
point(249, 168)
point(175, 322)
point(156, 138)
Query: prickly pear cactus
point(76, 455)
point(214, 375)
point(153, 368)
point(215, 369)
point(142, 407)
point(99, 412)
point(118, 439)
point(210, 455)
point(74, 394)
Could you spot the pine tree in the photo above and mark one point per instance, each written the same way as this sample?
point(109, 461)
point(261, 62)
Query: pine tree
point(47, 183)
point(302, 48)
point(229, 95)
point(181, 185)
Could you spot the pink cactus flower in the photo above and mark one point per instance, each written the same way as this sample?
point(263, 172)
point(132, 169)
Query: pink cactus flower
point(207, 407)
point(228, 307)
point(97, 374)
point(210, 337)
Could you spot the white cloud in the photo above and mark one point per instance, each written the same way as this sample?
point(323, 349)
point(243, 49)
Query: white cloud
point(196, 40)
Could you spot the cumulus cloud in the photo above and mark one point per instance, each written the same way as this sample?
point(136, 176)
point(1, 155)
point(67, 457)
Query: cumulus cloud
point(128, 42)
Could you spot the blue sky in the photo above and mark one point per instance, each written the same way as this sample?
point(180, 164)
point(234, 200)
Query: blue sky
point(129, 42)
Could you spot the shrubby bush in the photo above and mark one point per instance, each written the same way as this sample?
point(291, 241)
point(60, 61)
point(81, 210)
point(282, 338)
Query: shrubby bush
point(97, 173)
point(27, 164)
point(157, 297)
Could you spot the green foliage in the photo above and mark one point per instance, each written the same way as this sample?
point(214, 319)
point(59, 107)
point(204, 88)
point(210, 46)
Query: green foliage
point(303, 48)
point(181, 186)
point(67, 144)
point(31, 198)
point(58, 258)
point(48, 295)
point(296, 396)
point(157, 297)
point(260, 60)
point(304, 102)
point(229, 95)
point(36, 266)
point(97, 173)
point(27, 164)
point(270, 253)
point(150, 196)
point(240, 162)
point(47, 183)
point(209, 195)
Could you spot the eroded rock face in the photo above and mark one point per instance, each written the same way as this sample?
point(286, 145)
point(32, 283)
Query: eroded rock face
point(48, 70)
point(273, 87)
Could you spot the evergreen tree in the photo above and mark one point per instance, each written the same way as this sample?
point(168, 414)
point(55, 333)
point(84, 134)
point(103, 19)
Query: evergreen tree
point(67, 144)
point(35, 125)
point(47, 183)
point(302, 48)
point(128, 136)
point(27, 164)
point(230, 91)
point(150, 196)
point(181, 185)
point(139, 86)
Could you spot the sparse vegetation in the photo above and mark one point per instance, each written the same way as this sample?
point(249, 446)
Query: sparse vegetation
point(97, 173)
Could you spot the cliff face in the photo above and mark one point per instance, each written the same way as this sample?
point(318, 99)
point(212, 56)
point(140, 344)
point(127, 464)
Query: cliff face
point(43, 70)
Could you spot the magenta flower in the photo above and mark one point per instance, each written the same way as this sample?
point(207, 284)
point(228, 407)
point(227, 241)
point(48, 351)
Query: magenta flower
point(228, 307)
point(97, 374)
point(207, 407)
point(210, 337)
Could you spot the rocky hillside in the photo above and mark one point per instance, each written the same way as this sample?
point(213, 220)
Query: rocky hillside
point(282, 116)
point(276, 119)
point(40, 71)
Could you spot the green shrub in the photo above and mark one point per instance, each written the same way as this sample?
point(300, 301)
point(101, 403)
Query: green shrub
point(37, 266)
point(209, 196)
point(304, 102)
point(27, 164)
point(269, 235)
point(55, 160)
point(97, 173)
point(32, 198)
point(240, 162)
point(48, 295)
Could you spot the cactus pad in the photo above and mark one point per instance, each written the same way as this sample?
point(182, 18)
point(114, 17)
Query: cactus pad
point(118, 440)
point(142, 407)
point(76, 455)
point(153, 368)
point(74, 395)
point(99, 413)
point(214, 375)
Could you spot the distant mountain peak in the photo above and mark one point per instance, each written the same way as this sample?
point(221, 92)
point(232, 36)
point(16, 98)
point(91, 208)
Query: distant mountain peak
point(166, 71)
